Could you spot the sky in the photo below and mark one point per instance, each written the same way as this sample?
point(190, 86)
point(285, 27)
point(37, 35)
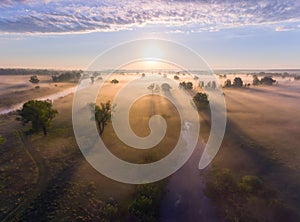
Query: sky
point(227, 34)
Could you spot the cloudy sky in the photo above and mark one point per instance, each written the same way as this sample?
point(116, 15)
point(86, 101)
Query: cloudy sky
point(256, 34)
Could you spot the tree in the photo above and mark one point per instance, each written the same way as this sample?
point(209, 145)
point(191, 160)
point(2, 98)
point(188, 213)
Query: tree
point(34, 79)
point(114, 81)
point(92, 79)
point(143, 74)
point(72, 76)
point(237, 82)
point(227, 83)
point(39, 113)
point(201, 84)
point(255, 81)
point(201, 100)
point(176, 77)
point(102, 115)
point(165, 87)
point(213, 85)
point(186, 85)
point(267, 80)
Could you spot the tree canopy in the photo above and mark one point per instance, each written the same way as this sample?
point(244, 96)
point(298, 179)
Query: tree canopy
point(255, 81)
point(267, 80)
point(227, 83)
point(201, 100)
point(67, 76)
point(237, 82)
point(39, 113)
point(102, 115)
point(114, 81)
point(186, 85)
point(34, 79)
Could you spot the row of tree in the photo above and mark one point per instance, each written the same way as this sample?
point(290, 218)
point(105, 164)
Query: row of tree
point(67, 76)
point(267, 80)
point(238, 82)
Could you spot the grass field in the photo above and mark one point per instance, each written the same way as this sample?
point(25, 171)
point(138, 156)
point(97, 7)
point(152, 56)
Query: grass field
point(47, 177)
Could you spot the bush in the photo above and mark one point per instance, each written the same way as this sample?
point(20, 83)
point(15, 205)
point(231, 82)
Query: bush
point(250, 184)
point(145, 207)
point(176, 77)
point(114, 81)
point(34, 79)
point(110, 212)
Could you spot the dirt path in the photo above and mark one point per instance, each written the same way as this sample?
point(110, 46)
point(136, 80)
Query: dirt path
point(41, 181)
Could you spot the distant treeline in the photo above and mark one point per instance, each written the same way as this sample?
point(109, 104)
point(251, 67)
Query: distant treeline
point(33, 72)
point(67, 76)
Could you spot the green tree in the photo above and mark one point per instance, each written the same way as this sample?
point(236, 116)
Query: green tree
point(34, 79)
point(176, 77)
point(102, 115)
point(186, 85)
point(213, 85)
point(237, 82)
point(227, 83)
point(114, 81)
point(255, 81)
point(39, 113)
point(201, 100)
point(267, 80)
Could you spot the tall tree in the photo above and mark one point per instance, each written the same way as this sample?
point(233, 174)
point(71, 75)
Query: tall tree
point(201, 100)
point(39, 113)
point(102, 115)
point(237, 82)
point(255, 81)
point(227, 83)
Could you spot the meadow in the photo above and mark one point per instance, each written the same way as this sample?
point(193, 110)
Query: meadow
point(47, 177)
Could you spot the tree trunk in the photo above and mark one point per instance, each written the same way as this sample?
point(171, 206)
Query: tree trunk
point(45, 130)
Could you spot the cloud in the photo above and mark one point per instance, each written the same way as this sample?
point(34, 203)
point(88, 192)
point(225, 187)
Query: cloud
point(63, 16)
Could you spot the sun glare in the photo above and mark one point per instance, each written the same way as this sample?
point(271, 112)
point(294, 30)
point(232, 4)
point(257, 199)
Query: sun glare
point(153, 51)
point(148, 64)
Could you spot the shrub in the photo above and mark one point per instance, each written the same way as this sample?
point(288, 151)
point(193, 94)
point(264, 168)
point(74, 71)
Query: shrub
point(176, 77)
point(250, 184)
point(114, 81)
point(34, 79)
